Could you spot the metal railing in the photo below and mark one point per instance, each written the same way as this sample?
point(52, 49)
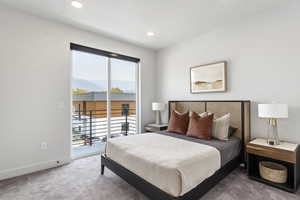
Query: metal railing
point(89, 126)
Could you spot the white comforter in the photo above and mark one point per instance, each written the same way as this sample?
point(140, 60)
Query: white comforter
point(174, 165)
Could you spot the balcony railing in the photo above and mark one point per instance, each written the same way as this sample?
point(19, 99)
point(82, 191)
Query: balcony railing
point(89, 126)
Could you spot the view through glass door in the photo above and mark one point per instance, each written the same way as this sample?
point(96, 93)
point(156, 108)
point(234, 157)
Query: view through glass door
point(104, 100)
point(123, 97)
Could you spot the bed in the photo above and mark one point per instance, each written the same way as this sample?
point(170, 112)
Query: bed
point(170, 166)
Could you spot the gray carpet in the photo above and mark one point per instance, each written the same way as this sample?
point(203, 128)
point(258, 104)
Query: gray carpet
point(80, 180)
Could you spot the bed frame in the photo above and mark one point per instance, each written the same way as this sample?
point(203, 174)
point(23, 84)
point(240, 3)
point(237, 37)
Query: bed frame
point(240, 112)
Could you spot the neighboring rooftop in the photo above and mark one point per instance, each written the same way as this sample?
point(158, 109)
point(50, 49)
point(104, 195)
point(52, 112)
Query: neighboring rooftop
point(101, 96)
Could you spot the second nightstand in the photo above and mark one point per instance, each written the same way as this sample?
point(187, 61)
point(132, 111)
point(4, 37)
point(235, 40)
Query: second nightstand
point(286, 154)
point(155, 127)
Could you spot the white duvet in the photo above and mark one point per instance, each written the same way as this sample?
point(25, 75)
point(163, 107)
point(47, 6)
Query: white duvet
point(174, 165)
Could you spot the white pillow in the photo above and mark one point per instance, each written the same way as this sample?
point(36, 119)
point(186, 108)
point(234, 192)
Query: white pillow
point(204, 114)
point(221, 127)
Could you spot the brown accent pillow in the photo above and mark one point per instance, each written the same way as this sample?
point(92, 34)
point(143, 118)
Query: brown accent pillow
point(200, 127)
point(178, 123)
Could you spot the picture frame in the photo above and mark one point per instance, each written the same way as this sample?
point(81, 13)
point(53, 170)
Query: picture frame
point(211, 77)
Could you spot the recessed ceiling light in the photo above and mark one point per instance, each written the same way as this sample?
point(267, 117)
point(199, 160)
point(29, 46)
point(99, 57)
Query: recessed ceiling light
point(76, 4)
point(150, 34)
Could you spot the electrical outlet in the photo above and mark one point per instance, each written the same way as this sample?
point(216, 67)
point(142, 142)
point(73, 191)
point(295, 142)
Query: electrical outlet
point(44, 145)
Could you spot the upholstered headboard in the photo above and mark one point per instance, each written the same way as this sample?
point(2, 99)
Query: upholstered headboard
point(239, 110)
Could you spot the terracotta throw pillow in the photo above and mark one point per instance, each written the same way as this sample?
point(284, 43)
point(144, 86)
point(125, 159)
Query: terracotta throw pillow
point(178, 122)
point(200, 127)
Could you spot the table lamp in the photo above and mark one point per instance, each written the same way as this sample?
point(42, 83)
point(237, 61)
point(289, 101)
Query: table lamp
point(273, 112)
point(157, 107)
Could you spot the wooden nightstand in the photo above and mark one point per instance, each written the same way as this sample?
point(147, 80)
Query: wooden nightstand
point(155, 128)
point(287, 154)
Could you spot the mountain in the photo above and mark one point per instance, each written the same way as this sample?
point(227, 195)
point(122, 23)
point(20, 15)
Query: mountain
point(86, 85)
point(101, 85)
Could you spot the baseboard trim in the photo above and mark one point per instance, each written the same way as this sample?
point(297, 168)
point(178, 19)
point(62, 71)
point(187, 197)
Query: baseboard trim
point(11, 173)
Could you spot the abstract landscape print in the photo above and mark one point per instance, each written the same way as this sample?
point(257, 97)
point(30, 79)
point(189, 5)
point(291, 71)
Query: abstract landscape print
point(208, 78)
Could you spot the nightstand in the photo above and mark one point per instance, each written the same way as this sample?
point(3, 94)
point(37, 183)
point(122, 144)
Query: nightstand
point(287, 154)
point(155, 127)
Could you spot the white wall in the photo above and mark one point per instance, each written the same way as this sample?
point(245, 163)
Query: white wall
point(35, 70)
point(263, 55)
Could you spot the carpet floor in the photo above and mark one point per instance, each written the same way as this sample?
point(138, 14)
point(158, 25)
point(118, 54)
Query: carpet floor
point(81, 180)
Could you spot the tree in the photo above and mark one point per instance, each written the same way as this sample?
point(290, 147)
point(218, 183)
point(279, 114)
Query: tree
point(116, 90)
point(79, 91)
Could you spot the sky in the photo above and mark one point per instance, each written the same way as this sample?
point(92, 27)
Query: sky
point(93, 67)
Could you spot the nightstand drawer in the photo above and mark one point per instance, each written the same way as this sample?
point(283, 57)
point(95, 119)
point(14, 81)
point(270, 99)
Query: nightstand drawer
point(277, 154)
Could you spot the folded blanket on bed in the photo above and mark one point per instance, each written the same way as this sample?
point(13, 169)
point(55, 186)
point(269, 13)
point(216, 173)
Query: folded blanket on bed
point(174, 165)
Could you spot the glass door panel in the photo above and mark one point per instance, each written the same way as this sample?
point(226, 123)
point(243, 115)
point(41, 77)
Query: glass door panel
point(89, 114)
point(123, 119)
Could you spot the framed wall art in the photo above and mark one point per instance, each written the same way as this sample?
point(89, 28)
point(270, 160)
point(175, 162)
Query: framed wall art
point(209, 77)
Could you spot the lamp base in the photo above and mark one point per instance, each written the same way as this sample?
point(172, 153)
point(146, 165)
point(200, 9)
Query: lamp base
point(273, 138)
point(158, 118)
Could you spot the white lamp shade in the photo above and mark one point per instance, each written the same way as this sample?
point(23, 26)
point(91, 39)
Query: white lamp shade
point(158, 106)
point(273, 110)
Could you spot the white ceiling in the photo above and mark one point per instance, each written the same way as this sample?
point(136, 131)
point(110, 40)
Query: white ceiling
point(172, 21)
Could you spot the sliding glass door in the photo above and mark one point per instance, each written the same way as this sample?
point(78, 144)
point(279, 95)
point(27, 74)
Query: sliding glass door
point(105, 94)
point(123, 97)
